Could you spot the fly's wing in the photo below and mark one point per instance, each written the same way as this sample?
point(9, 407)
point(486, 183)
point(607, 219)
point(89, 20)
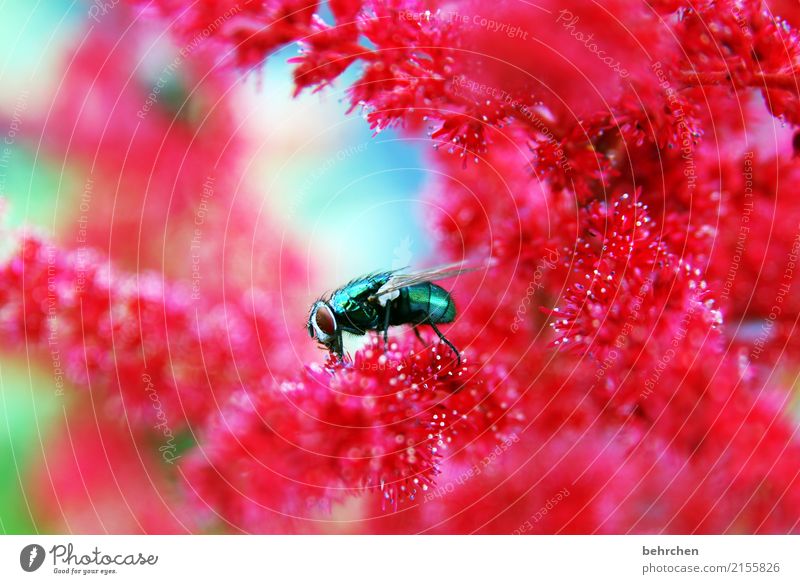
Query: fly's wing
point(391, 289)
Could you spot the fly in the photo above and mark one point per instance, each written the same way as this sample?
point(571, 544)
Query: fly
point(378, 301)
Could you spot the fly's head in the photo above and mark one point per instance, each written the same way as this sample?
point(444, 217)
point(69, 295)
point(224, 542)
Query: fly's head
point(322, 326)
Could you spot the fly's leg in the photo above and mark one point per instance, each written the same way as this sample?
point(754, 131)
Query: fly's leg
point(441, 336)
point(338, 347)
point(419, 336)
point(386, 326)
point(446, 342)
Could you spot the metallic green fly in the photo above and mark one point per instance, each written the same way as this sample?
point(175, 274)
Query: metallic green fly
point(377, 301)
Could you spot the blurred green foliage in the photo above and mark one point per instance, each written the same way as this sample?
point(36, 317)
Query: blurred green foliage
point(31, 35)
point(29, 407)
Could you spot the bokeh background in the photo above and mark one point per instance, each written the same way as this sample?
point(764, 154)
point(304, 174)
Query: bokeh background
point(332, 182)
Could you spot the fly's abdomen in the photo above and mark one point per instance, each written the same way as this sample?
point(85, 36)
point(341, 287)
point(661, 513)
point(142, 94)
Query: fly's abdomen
point(424, 302)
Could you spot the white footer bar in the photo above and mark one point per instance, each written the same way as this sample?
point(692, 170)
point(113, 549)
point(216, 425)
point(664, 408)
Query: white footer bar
point(400, 559)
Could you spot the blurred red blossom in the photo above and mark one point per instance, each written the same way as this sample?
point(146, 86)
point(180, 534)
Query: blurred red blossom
point(132, 336)
point(151, 140)
point(100, 479)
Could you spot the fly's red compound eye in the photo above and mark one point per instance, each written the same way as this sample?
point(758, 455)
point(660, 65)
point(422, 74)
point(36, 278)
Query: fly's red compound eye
point(324, 320)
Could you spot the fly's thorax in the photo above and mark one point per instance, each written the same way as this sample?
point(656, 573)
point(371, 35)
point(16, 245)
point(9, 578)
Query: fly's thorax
point(356, 314)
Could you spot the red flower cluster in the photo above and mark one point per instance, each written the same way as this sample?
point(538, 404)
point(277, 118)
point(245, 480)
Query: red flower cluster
point(385, 424)
point(161, 356)
point(629, 358)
